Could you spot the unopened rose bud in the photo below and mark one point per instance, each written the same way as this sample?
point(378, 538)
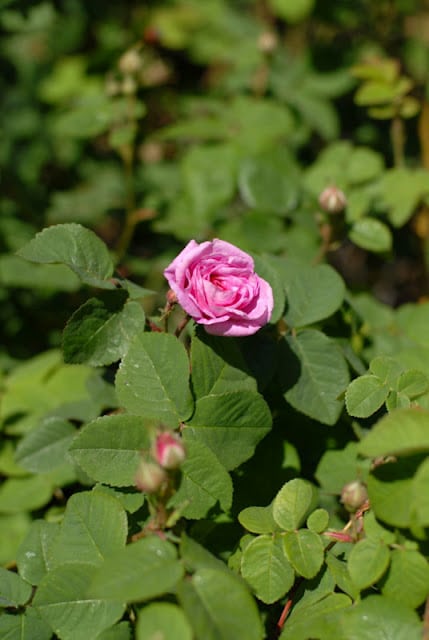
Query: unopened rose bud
point(150, 477)
point(267, 42)
point(332, 200)
point(171, 297)
point(168, 450)
point(353, 495)
point(128, 86)
point(151, 152)
point(130, 62)
point(156, 73)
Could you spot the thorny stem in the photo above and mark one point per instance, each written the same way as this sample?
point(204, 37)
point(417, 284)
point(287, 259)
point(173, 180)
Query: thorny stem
point(182, 325)
point(130, 218)
point(397, 136)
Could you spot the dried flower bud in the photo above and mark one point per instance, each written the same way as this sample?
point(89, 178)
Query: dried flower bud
point(150, 477)
point(353, 495)
point(332, 200)
point(156, 73)
point(151, 152)
point(267, 42)
point(168, 450)
point(130, 62)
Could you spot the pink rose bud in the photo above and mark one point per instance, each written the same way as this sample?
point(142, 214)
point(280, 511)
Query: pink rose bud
point(353, 495)
point(150, 477)
point(332, 200)
point(216, 284)
point(169, 451)
point(171, 297)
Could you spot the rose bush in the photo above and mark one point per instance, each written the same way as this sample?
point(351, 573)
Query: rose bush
point(216, 284)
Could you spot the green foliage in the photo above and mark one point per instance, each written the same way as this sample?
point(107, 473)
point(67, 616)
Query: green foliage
point(160, 481)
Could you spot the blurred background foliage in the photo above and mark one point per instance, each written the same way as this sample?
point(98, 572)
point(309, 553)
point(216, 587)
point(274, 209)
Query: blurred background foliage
point(156, 121)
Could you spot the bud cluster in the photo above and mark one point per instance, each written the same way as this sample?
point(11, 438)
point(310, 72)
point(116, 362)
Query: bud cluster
point(167, 454)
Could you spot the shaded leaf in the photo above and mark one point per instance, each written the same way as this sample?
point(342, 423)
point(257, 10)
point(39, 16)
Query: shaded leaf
point(109, 448)
point(211, 600)
point(101, 330)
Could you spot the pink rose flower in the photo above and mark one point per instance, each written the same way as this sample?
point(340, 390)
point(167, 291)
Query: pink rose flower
point(217, 286)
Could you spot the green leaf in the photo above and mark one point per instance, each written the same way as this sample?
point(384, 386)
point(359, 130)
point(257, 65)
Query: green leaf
point(212, 599)
point(143, 570)
point(204, 482)
point(13, 529)
point(209, 176)
point(338, 467)
point(377, 618)
point(365, 395)
point(266, 270)
point(25, 494)
point(412, 321)
point(77, 247)
point(316, 618)
point(130, 497)
point(408, 568)
point(101, 330)
point(147, 383)
point(305, 551)
point(293, 502)
point(120, 631)
point(397, 401)
point(14, 591)
point(109, 448)
point(313, 293)
point(371, 234)
point(403, 432)
point(420, 503)
point(374, 92)
point(218, 365)
point(339, 571)
point(265, 567)
point(34, 554)
point(401, 191)
point(386, 368)
point(412, 383)
point(258, 519)
point(18, 273)
point(391, 490)
point(93, 528)
point(292, 10)
point(163, 620)
point(318, 520)
point(323, 376)
point(373, 529)
point(62, 600)
point(364, 164)
point(267, 185)
point(367, 562)
point(26, 626)
point(231, 424)
point(45, 447)
point(195, 556)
